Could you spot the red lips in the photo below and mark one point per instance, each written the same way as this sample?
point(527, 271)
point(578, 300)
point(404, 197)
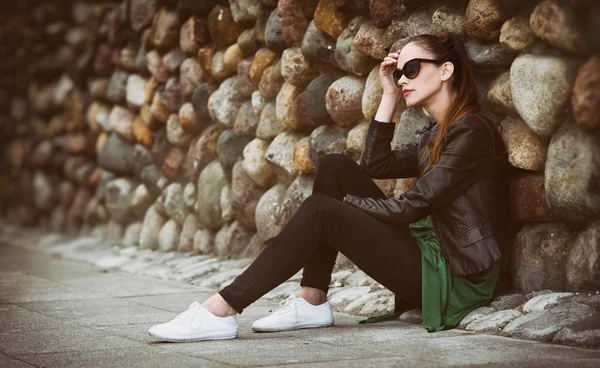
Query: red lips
point(407, 91)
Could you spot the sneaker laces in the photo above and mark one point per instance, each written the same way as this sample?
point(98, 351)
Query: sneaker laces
point(192, 309)
point(287, 304)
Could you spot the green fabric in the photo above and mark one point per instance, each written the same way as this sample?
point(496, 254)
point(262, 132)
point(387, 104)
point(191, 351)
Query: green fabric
point(446, 298)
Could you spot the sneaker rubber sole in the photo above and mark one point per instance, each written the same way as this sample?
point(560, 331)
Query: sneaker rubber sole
point(291, 328)
point(194, 338)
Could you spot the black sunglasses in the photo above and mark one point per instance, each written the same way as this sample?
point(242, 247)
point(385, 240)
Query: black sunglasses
point(411, 69)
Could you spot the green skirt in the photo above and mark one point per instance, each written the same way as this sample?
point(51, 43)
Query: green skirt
point(446, 298)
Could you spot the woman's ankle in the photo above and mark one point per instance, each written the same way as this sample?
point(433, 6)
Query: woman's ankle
point(313, 296)
point(218, 306)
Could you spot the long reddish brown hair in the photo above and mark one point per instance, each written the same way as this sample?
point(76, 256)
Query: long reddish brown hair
point(447, 47)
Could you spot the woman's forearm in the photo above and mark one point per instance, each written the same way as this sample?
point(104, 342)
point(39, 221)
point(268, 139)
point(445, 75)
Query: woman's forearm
point(386, 109)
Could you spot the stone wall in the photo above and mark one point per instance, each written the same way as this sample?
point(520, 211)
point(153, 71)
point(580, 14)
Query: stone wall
point(195, 126)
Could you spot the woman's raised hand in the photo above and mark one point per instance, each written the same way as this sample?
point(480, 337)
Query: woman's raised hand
point(388, 65)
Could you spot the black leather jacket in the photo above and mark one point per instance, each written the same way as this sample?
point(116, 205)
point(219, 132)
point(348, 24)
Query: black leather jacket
point(465, 192)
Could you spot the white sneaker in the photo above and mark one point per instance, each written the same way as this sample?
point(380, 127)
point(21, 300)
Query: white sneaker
point(196, 324)
point(296, 313)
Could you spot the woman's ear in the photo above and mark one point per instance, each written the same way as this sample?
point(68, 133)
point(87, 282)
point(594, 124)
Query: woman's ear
point(447, 70)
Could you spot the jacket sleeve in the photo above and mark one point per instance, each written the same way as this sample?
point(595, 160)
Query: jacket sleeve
point(380, 161)
point(467, 154)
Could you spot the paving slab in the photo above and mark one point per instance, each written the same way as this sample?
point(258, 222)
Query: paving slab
point(379, 362)
point(176, 303)
point(40, 264)
point(69, 338)
point(485, 349)
point(17, 287)
point(122, 284)
point(59, 269)
point(10, 362)
point(14, 318)
point(142, 357)
point(99, 312)
point(135, 331)
point(350, 333)
point(266, 351)
point(396, 361)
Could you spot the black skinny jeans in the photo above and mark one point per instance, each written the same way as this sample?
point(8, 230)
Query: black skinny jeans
point(324, 225)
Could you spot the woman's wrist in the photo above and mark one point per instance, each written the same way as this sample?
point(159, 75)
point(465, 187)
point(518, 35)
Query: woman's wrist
point(387, 107)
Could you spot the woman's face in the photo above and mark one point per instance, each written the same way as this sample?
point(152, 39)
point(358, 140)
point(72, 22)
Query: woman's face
point(427, 83)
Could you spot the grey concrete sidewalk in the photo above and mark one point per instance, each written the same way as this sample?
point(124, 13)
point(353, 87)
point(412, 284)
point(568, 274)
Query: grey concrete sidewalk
point(57, 312)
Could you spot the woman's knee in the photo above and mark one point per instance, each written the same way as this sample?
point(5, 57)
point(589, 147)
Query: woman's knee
point(318, 202)
point(333, 160)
